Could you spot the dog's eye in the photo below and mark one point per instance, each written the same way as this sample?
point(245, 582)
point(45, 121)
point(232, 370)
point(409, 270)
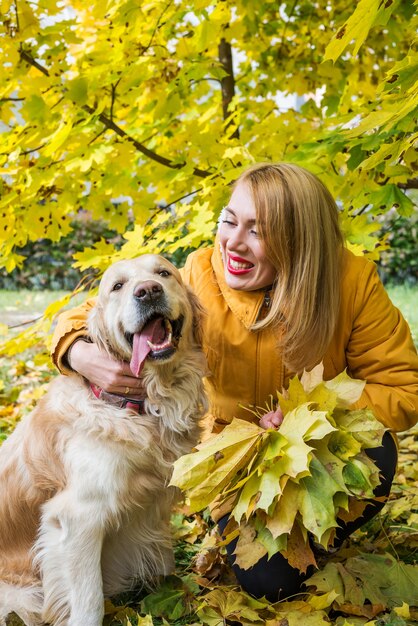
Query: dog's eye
point(164, 273)
point(117, 286)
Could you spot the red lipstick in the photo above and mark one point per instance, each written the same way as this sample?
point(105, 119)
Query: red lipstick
point(234, 269)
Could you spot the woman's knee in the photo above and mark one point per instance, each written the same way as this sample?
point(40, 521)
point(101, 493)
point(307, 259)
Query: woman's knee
point(273, 579)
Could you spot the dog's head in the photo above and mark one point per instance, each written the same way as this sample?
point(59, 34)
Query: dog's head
point(144, 312)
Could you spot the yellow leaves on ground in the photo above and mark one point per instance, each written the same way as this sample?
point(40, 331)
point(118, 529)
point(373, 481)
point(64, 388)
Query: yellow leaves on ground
point(368, 583)
point(282, 484)
point(297, 613)
point(224, 605)
point(126, 615)
point(229, 604)
point(33, 375)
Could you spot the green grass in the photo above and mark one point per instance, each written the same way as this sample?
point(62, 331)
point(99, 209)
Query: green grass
point(26, 300)
point(21, 307)
point(405, 297)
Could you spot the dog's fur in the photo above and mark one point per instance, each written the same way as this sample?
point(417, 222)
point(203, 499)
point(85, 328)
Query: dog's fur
point(84, 495)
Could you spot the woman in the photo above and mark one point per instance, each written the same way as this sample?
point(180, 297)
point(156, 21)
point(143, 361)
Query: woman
point(281, 294)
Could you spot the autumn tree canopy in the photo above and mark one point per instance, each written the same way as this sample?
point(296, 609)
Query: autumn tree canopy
point(148, 110)
point(142, 112)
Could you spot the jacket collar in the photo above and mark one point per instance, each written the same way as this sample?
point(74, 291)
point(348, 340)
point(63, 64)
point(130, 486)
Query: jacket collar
point(245, 305)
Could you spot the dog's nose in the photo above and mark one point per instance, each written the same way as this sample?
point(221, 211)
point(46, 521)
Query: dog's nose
point(148, 290)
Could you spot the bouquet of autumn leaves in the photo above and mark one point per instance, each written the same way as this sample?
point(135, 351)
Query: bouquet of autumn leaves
point(280, 485)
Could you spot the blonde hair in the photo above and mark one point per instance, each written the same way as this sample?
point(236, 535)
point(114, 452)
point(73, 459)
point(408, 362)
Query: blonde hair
point(297, 219)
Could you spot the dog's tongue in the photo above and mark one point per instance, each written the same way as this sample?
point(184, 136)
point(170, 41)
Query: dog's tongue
point(154, 332)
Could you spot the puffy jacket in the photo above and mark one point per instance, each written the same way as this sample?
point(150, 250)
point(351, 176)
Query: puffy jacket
point(372, 341)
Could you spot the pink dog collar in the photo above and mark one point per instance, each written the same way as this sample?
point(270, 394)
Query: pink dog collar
point(119, 401)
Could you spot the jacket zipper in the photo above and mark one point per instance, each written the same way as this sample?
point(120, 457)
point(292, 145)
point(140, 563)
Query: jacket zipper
point(265, 305)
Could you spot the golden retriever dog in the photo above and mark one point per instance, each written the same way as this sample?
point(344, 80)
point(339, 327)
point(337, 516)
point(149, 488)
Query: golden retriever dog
point(84, 497)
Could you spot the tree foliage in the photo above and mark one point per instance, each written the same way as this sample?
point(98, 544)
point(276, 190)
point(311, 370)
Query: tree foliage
point(159, 105)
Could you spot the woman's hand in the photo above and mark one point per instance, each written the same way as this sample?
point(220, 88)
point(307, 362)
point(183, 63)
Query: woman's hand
point(272, 419)
point(104, 372)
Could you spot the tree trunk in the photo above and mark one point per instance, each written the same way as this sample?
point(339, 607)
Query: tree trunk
point(228, 81)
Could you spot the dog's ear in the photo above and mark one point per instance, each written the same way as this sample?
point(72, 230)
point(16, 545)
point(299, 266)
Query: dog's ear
point(199, 315)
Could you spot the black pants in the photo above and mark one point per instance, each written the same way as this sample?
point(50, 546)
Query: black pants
point(275, 578)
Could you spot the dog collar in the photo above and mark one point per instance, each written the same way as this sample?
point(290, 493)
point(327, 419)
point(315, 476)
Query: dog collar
point(119, 401)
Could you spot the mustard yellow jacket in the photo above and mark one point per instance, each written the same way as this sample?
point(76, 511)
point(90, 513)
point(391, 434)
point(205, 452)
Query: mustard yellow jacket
point(372, 341)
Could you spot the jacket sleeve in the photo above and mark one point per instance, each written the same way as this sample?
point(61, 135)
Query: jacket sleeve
point(71, 325)
point(381, 352)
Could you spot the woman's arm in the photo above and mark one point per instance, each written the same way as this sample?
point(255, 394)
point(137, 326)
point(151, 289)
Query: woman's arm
point(381, 352)
point(71, 325)
point(103, 371)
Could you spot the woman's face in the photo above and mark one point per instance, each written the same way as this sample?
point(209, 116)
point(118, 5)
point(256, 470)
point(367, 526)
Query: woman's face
point(246, 266)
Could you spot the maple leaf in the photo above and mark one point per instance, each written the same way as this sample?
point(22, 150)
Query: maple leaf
point(228, 604)
point(248, 551)
point(368, 583)
point(296, 479)
point(298, 612)
point(159, 117)
point(216, 463)
point(366, 14)
point(316, 500)
point(298, 554)
point(172, 599)
point(99, 256)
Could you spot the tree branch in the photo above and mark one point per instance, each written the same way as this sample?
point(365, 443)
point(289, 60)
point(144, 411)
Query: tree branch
point(109, 124)
point(113, 97)
point(411, 183)
point(17, 16)
point(157, 26)
point(228, 81)
point(167, 206)
point(31, 61)
point(141, 148)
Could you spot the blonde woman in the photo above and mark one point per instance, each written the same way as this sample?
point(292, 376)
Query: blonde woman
point(281, 294)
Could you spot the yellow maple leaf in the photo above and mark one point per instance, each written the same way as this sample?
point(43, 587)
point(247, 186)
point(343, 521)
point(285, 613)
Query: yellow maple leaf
point(248, 551)
point(206, 472)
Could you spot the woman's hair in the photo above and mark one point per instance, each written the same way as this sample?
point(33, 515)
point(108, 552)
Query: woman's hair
point(297, 219)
